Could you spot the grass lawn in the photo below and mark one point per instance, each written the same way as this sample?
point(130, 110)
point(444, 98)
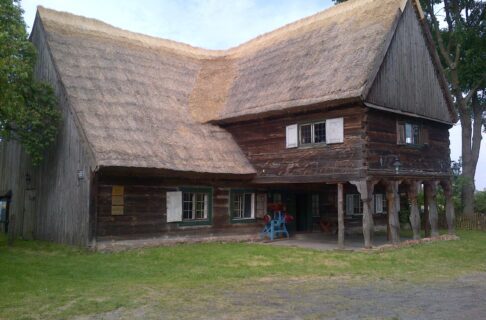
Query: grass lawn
point(47, 281)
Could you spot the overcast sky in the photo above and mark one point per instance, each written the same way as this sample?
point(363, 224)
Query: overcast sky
point(212, 24)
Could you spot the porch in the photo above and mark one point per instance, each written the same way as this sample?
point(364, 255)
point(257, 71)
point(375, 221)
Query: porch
point(323, 215)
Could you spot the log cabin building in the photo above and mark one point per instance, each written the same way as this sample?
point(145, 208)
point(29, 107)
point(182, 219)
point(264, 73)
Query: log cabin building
point(336, 116)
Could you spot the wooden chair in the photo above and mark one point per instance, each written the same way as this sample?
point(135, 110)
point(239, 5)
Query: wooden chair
point(275, 228)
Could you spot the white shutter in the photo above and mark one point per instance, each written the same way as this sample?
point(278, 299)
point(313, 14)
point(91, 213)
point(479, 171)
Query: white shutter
point(349, 204)
point(335, 130)
point(291, 134)
point(174, 206)
point(261, 205)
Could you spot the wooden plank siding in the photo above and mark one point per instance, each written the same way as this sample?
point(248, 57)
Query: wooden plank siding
point(407, 80)
point(263, 142)
point(424, 160)
point(60, 201)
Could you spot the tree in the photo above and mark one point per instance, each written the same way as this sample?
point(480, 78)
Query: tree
point(458, 29)
point(461, 44)
point(28, 108)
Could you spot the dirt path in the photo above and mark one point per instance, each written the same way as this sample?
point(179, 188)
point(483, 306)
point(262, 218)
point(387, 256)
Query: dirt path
point(463, 298)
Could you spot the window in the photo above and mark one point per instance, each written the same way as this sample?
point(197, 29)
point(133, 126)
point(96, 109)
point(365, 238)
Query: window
point(380, 203)
point(410, 133)
point(194, 206)
point(312, 133)
point(354, 205)
point(315, 206)
point(117, 200)
point(243, 205)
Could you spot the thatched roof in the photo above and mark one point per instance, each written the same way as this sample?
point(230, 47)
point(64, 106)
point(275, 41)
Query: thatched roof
point(147, 102)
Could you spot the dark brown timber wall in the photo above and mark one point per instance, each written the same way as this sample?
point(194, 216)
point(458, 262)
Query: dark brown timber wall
point(428, 159)
point(263, 142)
point(145, 211)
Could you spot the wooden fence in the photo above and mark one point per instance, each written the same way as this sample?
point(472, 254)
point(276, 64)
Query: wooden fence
point(475, 222)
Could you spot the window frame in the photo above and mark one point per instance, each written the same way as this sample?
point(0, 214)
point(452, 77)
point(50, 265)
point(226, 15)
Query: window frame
point(360, 205)
point(243, 192)
point(208, 192)
point(402, 132)
point(383, 203)
point(312, 132)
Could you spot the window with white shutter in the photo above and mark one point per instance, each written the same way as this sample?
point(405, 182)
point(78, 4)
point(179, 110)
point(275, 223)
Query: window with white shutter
point(292, 136)
point(335, 130)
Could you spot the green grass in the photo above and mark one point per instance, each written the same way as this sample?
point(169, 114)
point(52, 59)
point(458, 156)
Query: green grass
point(47, 281)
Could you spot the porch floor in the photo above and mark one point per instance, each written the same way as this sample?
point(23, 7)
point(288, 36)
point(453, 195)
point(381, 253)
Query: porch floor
point(323, 241)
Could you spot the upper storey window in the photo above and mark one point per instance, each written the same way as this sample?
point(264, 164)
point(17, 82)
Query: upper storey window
point(315, 133)
point(411, 133)
point(311, 133)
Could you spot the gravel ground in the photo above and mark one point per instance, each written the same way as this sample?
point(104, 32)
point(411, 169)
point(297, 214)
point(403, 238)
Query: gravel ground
point(310, 298)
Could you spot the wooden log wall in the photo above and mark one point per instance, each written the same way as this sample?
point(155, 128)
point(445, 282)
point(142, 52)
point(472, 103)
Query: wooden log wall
point(145, 211)
point(263, 142)
point(432, 158)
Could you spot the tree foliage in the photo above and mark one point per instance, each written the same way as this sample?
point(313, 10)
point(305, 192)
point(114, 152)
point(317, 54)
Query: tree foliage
point(28, 108)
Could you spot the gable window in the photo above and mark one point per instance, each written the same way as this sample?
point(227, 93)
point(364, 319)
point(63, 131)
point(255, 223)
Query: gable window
point(410, 133)
point(194, 205)
point(242, 205)
point(312, 133)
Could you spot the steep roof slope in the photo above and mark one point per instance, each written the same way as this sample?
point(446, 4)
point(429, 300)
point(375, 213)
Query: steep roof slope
point(326, 57)
point(131, 97)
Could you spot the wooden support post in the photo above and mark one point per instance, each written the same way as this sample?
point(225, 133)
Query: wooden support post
point(340, 216)
point(426, 214)
point(449, 208)
point(393, 221)
point(430, 195)
point(414, 209)
point(365, 188)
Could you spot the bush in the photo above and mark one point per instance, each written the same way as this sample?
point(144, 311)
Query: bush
point(480, 201)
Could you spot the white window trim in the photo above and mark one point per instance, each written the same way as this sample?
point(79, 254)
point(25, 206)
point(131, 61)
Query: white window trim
point(253, 206)
point(193, 206)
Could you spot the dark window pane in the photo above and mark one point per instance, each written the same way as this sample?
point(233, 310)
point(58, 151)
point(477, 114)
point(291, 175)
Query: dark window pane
point(320, 132)
point(305, 134)
point(247, 206)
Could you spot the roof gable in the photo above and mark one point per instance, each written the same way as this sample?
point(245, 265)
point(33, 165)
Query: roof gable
point(408, 81)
